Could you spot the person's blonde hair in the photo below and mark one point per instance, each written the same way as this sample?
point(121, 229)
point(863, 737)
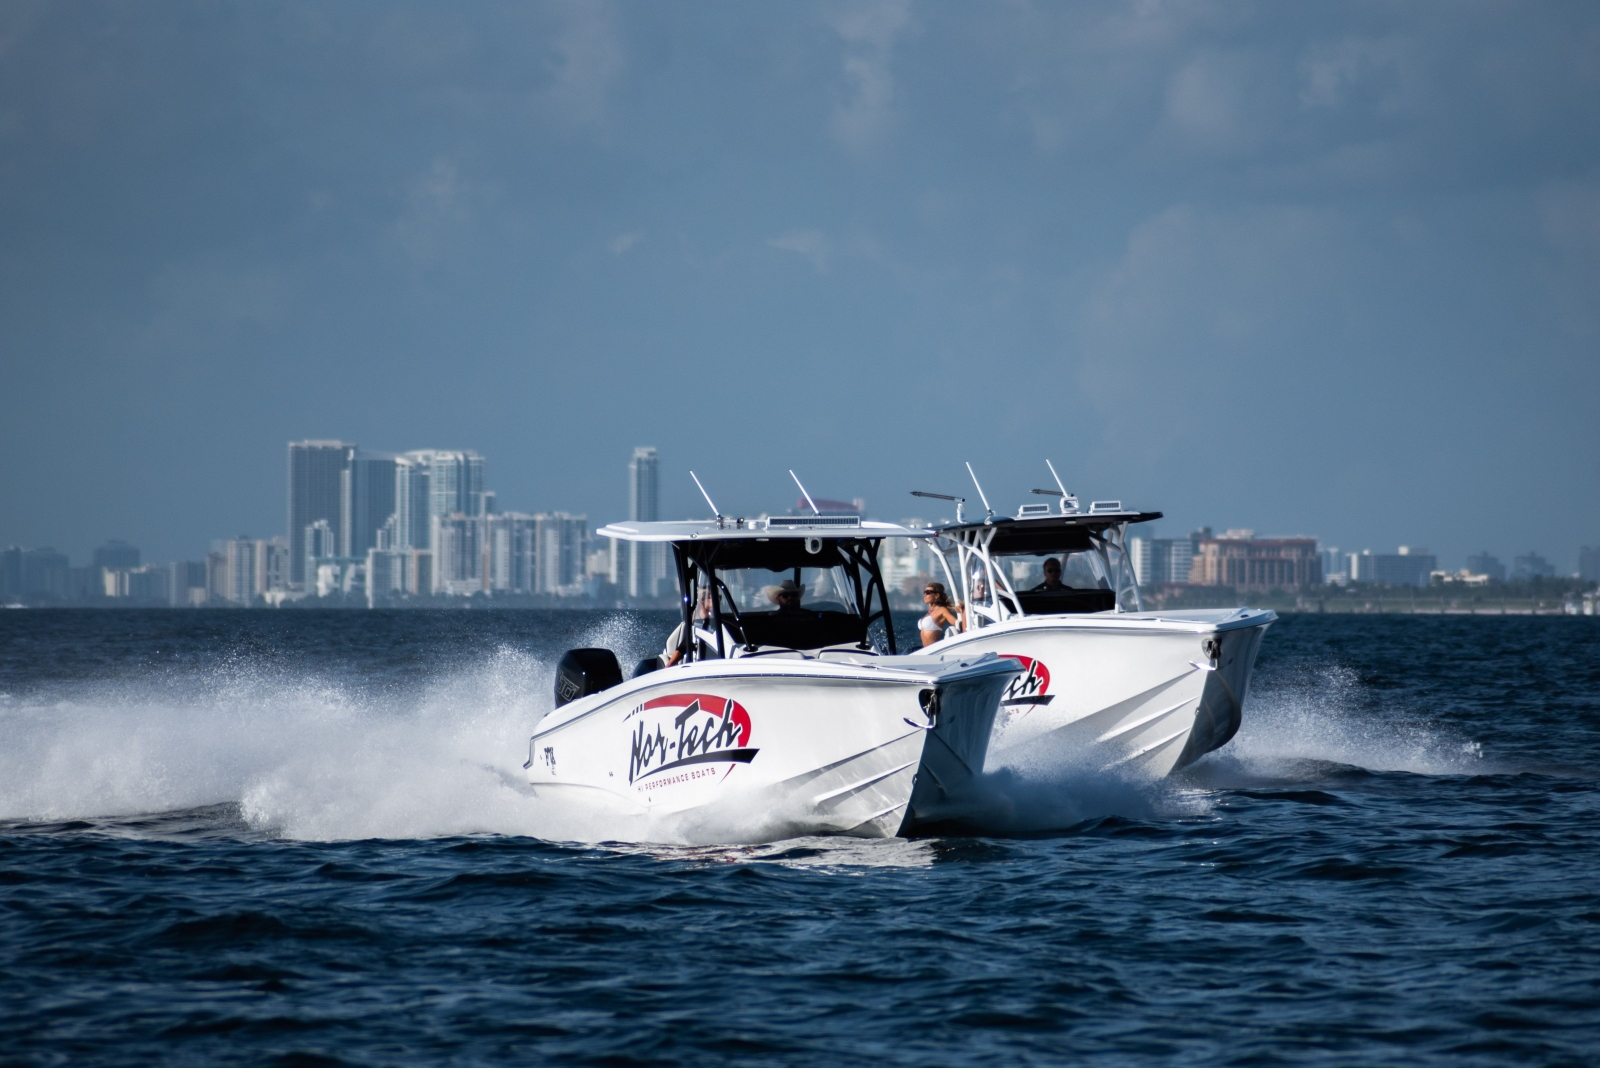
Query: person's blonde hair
point(941, 598)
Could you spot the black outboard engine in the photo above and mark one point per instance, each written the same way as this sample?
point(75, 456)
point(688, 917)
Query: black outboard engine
point(586, 671)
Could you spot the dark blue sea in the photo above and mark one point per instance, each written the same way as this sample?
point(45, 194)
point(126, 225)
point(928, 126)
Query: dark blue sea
point(298, 838)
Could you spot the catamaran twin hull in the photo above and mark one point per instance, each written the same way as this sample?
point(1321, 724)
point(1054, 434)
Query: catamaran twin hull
point(868, 746)
point(1147, 693)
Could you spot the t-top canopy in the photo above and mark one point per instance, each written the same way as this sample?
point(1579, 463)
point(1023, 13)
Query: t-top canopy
point(1047, 533)
point(790, 527)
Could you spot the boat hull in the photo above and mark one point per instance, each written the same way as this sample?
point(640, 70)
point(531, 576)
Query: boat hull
point(765, 749)
point(1145, 693)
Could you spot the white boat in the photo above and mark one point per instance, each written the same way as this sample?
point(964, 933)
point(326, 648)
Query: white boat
point(1103, 682)
point(776, 720)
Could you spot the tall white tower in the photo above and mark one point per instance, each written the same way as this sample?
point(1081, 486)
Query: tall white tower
point(646, 561)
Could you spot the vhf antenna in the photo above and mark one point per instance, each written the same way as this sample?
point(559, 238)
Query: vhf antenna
point(981, 497)
point(814, 509)
point(1057, 477)
point(944, 497)
point(1059, 491)
point(707, 496)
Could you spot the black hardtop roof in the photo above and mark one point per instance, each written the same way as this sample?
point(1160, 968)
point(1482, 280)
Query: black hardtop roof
point(1048, 533)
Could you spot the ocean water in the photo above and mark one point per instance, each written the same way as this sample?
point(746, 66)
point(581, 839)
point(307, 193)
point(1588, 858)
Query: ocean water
point(300, 838)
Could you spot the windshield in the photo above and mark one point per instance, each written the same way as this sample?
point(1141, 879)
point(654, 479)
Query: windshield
point(1078, 571)
point(815, 589)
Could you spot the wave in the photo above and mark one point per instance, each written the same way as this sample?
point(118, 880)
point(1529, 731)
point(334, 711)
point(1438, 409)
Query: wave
point(320, 758)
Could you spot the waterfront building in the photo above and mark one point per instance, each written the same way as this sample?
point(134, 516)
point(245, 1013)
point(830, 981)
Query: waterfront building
point(186, 584)
point(239, 576)
point(513, 553)
point(44, 574)
point(1250, 564)
point(455, 483)
point(1335, 566)
point(563, 548)
point(150, 584)
point(385, 575)
point(10, 573)
point(116, 555)
point(1408, 567)
point(1589, 564)
point(458, 552)
point(1531, 566)
point(1484, 563)
point(272, 564)
point(316, 493)
point(413, 524)
point(367, 500)
point(328, 571)
point(646, 562)
point(1161, 560)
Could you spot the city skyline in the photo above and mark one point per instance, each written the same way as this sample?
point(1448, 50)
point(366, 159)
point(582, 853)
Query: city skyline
point(386, 528)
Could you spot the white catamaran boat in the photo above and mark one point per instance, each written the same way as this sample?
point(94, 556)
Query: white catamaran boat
point(780, 703)
point(1150, 692)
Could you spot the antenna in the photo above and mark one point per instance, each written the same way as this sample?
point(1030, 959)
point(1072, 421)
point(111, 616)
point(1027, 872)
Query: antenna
point(944, 497)
point(1057, 477)
point(1066, 498)
point(814, 509)
point(707, 496)
point(981, 497)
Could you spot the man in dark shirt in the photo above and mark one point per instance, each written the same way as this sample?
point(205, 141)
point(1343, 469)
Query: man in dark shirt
point(1052, 576)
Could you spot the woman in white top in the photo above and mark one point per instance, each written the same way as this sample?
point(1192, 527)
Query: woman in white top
point(941, 613)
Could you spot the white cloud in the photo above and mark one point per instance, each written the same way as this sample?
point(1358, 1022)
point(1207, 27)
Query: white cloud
point(440, 204)
point(1337, 73)
point(588, 60)
point(1213, 102)
point(810, 244)
point(868, 30)
point(623, 242)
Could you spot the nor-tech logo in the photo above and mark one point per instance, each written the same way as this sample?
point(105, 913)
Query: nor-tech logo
point(685, 729)
point(1029, 688)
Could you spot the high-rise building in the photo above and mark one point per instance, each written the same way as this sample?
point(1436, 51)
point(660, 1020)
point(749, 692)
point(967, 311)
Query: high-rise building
point(1531, 566)
point(458, 554)
point(239, 574)
point(1256, 564)
point(116, 555)
point(1408, 567)
point(1335, 566)
point(272, 564)
point(1485, 563)
point(316, 493)
point(10, 572)
point(563, 549)
point(646, 561)
point(1589, 564)
point(456, 483)
point(186, 586)
point(43, 574)
point(513, 553)
point(1160, 560)
point(367, 500)
point(412, 500)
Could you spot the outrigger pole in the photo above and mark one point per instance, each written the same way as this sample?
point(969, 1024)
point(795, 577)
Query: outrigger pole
point(714, 511)
point(944, 497)
point(981, 497)
point(814, 509)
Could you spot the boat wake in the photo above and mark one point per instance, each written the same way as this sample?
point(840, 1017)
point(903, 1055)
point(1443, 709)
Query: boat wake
point(326, 759)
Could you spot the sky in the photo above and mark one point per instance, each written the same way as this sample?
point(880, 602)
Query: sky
point(1323, 269)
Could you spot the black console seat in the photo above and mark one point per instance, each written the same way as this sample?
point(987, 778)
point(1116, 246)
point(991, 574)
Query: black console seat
point(1053, 602)
point(805, 629)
